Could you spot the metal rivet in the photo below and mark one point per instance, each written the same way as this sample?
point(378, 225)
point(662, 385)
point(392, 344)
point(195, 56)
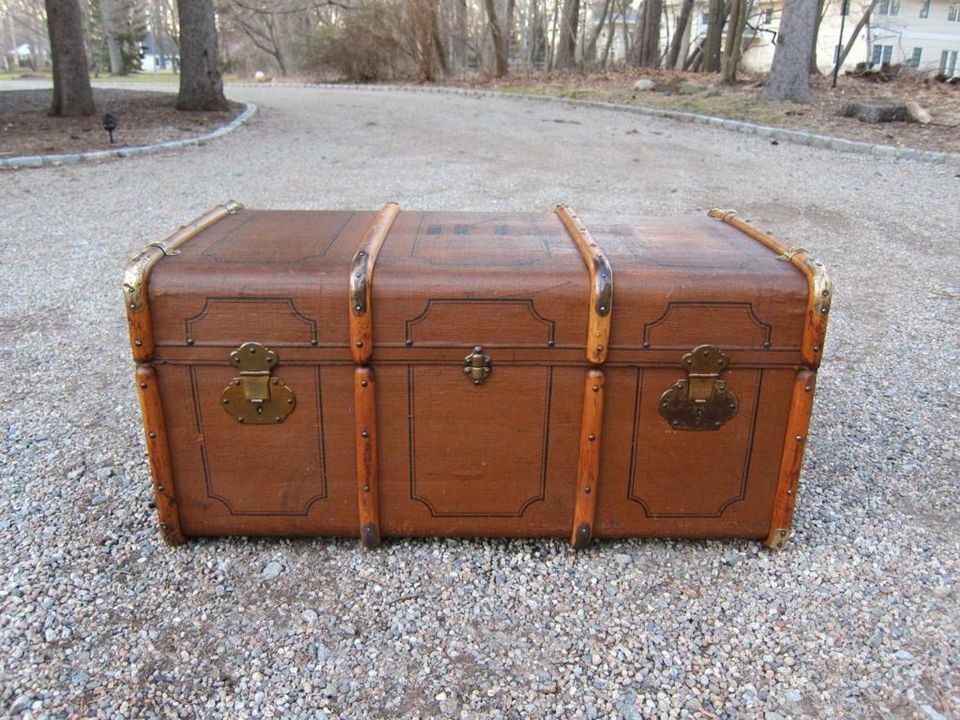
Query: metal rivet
point(550, 343)
point(237, 381)
point(358, 308)
point(359, 343)
point(365, 434)
point(138, 343)
point(143, 385)
point(189, 341)
point(313, 342)
point(366, 488)
point(824, 310)
point(799, 438)
point(599, 348)
point(807, 388)
point(363, 383)
point(409, 343)
point(646, 345)
point(766, 345)
point(596, 388)
point(588, 489)
point(591, 437)
point(133, 306)
point(152, 435)
point(789, 492)
point(289, 401)
point(278, 419)
point(160, 488)
point(253, 349)
point(275, 381)
point(816, 348)
point(239, 418)
point(603, 308)
point(226, 401)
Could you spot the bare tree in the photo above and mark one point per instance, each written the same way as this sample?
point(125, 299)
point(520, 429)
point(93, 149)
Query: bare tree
point(72, 94)
point(713, 41)
point(649, 53)
point(732, 50)
point(590, 49)
point(201, 82)
point(864, 19)
point(676, 45)
point(566, 46)
point(789, 78)
point(499, 43)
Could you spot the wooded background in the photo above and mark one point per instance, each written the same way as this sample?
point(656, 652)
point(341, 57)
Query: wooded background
point(387, 40)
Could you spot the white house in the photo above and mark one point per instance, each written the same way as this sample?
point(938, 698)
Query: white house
point(921, 33)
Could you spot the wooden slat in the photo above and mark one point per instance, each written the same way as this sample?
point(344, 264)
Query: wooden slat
point(364, 394)
point(601, 285)
point(798, 423)
point(361, 283)
point(818, 280)
point(588, 466)
point(158, 449)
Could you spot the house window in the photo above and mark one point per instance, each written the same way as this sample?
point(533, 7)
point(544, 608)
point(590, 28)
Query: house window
point(948, 62)
point(915, 58)
point(889, 7)
point(925, 9)
point(881, 55)
point(953, 14)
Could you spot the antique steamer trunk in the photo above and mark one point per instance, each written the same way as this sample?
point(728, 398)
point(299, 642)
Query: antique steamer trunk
point(466, 374)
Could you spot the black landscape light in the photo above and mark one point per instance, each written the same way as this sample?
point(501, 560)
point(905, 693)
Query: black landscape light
point(109, 124)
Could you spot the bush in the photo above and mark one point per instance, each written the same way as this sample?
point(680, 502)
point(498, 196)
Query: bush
point(360, 47)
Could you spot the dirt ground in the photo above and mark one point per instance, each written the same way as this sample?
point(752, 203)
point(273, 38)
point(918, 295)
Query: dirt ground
point(143, 118)
point(742, 102)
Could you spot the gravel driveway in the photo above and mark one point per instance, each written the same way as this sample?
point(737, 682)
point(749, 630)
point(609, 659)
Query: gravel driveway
point(858, 617)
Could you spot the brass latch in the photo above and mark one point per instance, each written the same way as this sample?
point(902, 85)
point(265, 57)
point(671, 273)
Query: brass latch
point(476, 366)
point(701, 401)
point(255, 397)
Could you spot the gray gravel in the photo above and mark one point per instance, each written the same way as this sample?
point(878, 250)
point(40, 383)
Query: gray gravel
point(858, 617)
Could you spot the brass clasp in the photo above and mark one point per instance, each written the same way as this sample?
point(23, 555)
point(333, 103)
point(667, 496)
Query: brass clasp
point(477, 366)
point(255, 397)
point(701, 401)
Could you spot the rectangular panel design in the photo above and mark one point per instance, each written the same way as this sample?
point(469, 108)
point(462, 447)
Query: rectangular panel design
point(261, 469)
point(465, 440)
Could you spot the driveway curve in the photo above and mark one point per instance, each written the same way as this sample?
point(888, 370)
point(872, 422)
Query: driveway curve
point(856, 618)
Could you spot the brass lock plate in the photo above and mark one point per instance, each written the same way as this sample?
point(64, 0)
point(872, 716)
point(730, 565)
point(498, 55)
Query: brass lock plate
point(477, 366)
point(256, 398)
point(701, 401)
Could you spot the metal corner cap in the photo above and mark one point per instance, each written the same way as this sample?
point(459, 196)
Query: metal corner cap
point(720, 214)
point(821, 286)
point(135, 277)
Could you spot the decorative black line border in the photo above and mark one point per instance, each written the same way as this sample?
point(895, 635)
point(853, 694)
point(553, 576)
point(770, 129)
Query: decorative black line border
point(310, 322)
point(208, 480)
point(631, 481)
point(415, 249)
point(528, 302)
point(766, 328)
point(411, 421)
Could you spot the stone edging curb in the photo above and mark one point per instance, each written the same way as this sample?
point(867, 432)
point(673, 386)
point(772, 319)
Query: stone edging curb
point(33, 161)
point(798, 137)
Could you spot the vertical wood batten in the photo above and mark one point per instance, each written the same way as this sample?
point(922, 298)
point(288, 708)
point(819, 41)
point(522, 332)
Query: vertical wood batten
point(368, 490)
point(798, 424)
point(158, 449)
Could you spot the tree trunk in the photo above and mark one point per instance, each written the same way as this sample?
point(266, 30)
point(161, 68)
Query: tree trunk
point(650, 41)
point(856, 32)
point(732, 50)
point(501, 66)
point(821, 11)
point(610, 37)
point(590, 51)
point(460, 35)
point(72, 94)
point(711, 48)
point(566, 53)
point(788, 78)
point(438, 45)
point(676, 45)
point(109, 11)
point(201, 84)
